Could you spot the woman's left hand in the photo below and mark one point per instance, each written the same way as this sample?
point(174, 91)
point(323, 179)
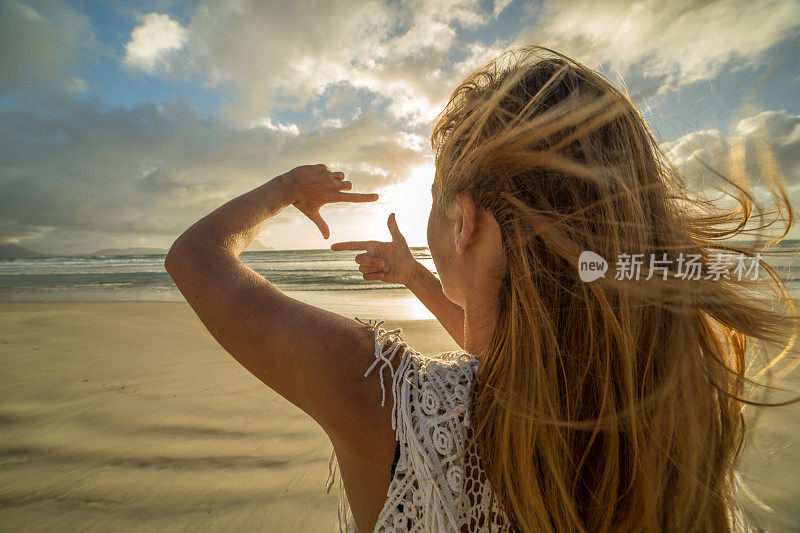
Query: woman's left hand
point(312, 186)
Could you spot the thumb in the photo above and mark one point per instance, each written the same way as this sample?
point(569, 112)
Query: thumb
point(394, 230)
point(316, 218)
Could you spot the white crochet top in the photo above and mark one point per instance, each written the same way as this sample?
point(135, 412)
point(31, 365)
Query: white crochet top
point(435, 486)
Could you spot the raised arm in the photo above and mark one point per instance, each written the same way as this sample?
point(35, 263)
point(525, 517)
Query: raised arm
point(392, 262)
point(312, 357)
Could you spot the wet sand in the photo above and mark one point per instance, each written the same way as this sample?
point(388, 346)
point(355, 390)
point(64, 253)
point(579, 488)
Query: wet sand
point(128, 416)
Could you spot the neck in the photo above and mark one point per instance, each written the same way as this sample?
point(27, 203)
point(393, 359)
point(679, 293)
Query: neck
point(479, 319)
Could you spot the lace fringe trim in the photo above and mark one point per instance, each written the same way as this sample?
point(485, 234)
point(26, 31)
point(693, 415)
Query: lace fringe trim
point(345, 522)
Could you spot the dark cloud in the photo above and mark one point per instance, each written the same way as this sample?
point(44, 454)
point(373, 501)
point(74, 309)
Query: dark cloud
point(39, 46)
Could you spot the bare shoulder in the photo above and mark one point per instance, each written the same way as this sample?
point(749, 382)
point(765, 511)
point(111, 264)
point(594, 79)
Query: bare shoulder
point(389, 356)
point(327, 357)
point(362, 363)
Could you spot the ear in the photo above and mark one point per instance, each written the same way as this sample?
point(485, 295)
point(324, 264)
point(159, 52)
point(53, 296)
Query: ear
point(465, 222)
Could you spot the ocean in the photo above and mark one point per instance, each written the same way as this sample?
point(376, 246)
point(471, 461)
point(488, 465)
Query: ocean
point(324, 278)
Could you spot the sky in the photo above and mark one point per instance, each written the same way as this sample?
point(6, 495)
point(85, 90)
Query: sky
point(124, 122)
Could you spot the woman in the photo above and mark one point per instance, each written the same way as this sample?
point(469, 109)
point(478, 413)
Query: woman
point(584, 398)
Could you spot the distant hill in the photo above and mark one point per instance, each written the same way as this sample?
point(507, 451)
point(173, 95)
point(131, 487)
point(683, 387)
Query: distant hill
point(129, 251)
point(12, 251)
point(256, 246)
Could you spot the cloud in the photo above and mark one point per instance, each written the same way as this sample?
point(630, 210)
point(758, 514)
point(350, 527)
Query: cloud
point(86, 175)
point(676, 42)
point(287, 54)
point(267, 123)
point(153, 41)
point(411, 54)
point(39, 46)
point(778, 130)
point(83, 175)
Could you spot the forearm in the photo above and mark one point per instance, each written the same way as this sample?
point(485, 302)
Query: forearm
point(428, 289)
point(234, 225)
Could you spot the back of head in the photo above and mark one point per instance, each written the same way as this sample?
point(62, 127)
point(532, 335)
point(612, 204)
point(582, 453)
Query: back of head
point(611, 404)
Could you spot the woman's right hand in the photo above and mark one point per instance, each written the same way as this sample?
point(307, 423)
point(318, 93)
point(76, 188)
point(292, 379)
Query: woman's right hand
point(391, 262)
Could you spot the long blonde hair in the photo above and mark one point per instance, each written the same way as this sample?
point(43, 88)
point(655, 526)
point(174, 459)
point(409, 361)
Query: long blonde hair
point(615, 404)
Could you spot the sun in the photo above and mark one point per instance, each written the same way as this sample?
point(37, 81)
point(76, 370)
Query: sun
point(410, 200)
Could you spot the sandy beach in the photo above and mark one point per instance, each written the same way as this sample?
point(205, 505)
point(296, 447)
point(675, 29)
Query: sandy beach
point(127, 416)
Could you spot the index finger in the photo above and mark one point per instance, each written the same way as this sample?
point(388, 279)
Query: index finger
point(357, 197)
point(353, 245)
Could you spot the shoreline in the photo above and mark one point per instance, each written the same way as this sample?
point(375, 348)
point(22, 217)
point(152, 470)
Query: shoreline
point(395, 302)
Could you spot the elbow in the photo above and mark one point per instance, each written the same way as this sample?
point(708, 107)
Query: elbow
point(169, 262)
point(175, 255)
point(188, 253)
